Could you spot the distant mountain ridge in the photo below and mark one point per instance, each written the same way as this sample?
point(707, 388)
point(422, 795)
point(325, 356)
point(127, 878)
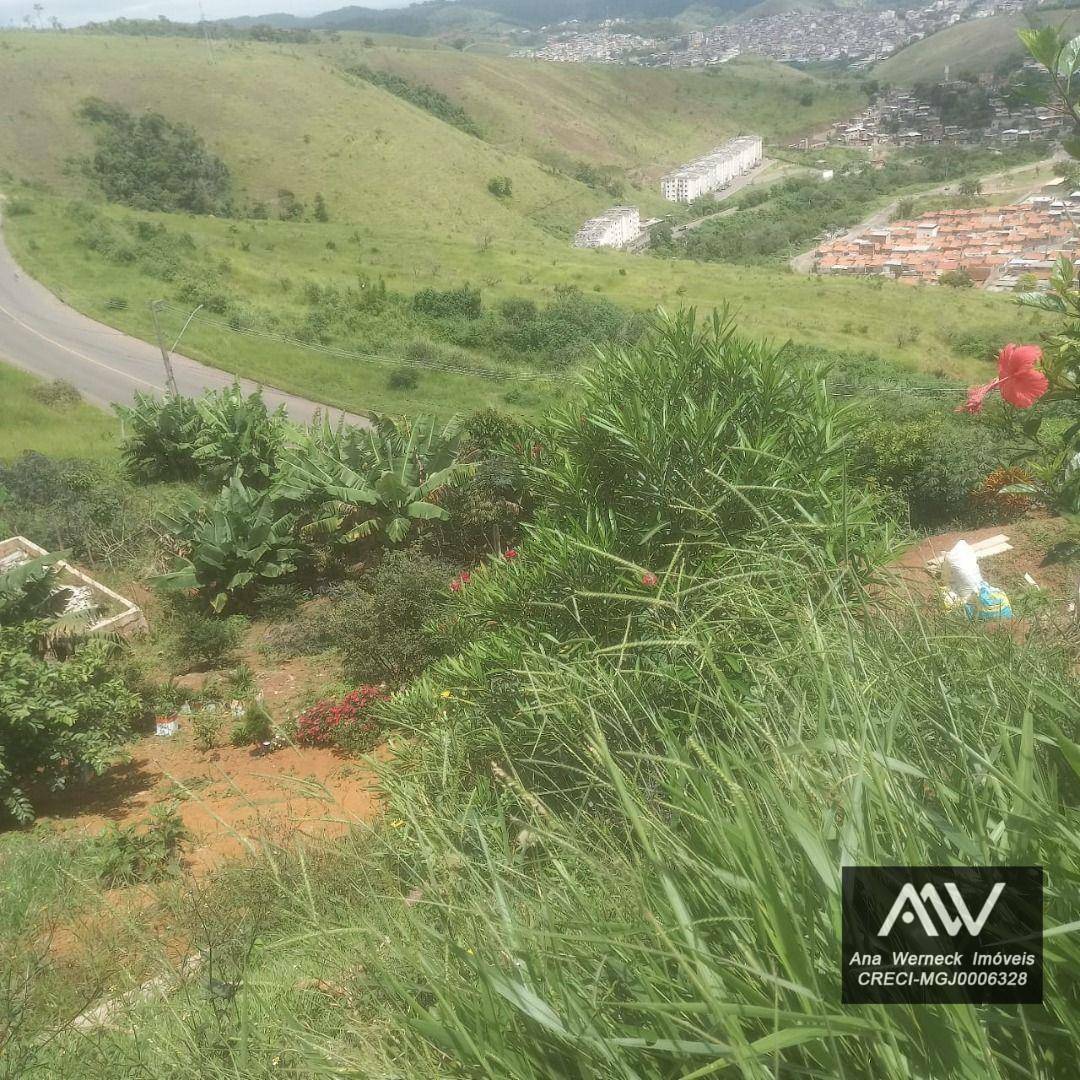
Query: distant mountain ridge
point(437, 16)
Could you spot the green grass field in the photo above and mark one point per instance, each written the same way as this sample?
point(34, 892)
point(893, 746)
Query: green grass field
point(974, 46)
point(265, 265)
point(29, 424)
point(289, 117)
point(644, 121)
point(409, 206)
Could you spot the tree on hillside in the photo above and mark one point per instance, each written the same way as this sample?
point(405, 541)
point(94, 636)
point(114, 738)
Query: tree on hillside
point(151, 163)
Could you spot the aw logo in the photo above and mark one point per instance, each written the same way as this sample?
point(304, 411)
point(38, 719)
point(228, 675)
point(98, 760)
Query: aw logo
point(952, 934)
point(911, 905)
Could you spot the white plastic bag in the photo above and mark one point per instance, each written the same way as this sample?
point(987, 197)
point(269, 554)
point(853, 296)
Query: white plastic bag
point(960, 571)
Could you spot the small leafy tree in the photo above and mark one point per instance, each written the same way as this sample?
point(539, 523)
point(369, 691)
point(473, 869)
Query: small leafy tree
point(956, 279)
point(502, 187)
point(319, 209)
point(59, 714)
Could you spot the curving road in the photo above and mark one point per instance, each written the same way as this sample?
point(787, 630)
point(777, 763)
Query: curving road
point(42, 335)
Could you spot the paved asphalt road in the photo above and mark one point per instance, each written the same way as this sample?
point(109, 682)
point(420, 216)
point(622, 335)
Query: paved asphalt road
point(44, 336)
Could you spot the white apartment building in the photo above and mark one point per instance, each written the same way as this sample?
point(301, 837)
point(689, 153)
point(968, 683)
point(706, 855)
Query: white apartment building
point(613, 228)
point(715, 170)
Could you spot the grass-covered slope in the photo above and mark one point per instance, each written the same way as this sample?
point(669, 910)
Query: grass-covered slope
point(59, 429)
point(639, 120)
point(280, 119)
point(975, 46)
point(263, 273)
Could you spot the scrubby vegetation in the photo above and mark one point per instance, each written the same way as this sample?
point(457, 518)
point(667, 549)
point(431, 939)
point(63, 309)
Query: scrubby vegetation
point(418, 94)
point(638, 740)
point(152, 163)
point(65, 706)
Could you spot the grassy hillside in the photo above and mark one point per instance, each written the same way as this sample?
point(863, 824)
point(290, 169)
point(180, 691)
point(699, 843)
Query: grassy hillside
point(639, 120)
point(976, 46)
point(280, 118)
point(264, 272)
point(32, 423)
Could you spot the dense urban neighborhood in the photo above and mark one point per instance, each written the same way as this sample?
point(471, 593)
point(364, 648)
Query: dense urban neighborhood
point(857, 35)
point(996, 248)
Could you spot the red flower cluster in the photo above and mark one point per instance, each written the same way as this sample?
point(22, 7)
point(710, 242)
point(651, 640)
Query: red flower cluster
point(649, 579)
point(460, 581)
point(327, 722)
point(510, 553)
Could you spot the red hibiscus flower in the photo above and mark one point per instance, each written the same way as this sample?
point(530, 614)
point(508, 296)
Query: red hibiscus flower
point(1018, 381)
point(649, 579)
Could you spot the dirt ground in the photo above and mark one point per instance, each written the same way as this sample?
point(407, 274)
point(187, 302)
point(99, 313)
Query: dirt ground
point(231, 799)
point(1034, 539)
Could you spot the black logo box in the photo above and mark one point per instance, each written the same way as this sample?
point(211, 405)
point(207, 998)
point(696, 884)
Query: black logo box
point(929, 954)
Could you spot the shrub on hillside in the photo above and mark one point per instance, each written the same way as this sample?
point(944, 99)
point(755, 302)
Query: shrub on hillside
point(929, 456)
point(461, 303)
point(123, 855)
point(57, 394)
point(384, 627)
point(486, 509)
point(699, 433)
point(255, 726)
point(57, 716)
point(151, 163)
point(76, 506)
point(197, 641)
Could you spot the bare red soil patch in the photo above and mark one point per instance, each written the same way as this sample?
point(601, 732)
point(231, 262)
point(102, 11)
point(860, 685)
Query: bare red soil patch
point(1033, 540)
point(231, 799)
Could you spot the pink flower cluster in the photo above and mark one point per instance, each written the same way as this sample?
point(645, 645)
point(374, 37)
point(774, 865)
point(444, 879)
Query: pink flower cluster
point(460, 581)
point(326, 722)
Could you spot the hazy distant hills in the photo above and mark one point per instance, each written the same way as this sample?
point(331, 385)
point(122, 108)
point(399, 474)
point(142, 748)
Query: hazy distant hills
point(438, 16)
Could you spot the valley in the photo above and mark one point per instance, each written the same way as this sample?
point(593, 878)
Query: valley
point(432, 646)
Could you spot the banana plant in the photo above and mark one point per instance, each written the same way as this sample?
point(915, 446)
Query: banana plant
point(381, 483)
point(226, 550)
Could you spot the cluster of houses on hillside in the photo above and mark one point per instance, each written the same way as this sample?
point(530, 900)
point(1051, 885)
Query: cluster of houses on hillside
point(997, 247)
point(608, 44)
point(713, 171)
point(859, 35)
point(797, 36)
point(902, 118)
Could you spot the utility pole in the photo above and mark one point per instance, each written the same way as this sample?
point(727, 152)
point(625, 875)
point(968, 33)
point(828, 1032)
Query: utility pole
point(170, 378)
